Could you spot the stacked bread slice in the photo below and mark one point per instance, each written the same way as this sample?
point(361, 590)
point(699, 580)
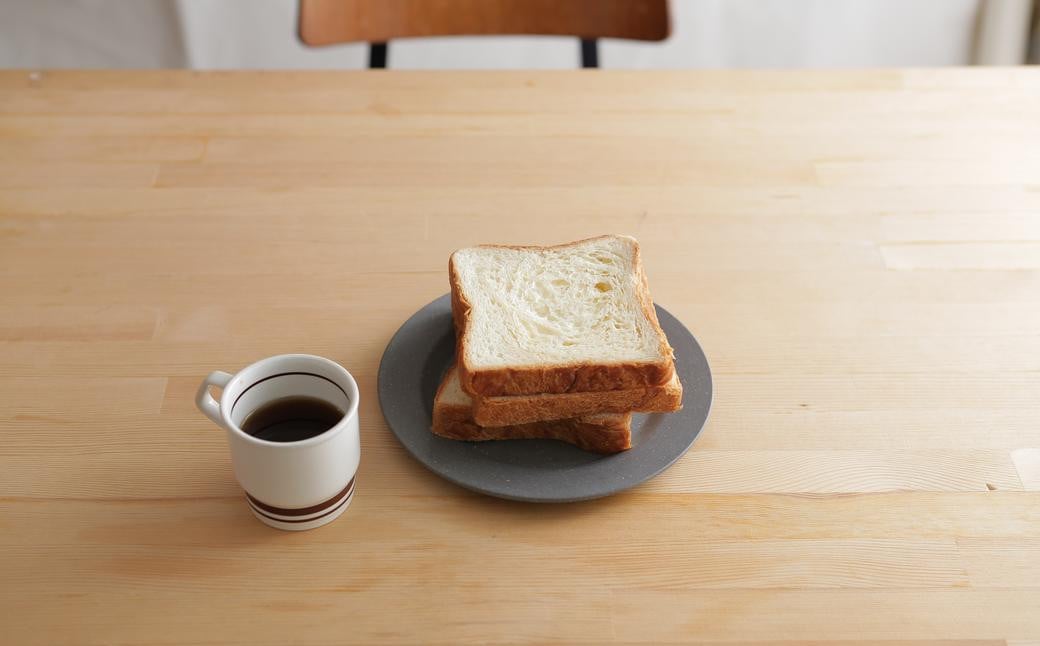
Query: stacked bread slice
point(554, 342)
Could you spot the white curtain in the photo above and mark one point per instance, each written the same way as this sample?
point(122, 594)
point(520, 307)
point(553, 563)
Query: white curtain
point(1004, 32)
point(208, 34)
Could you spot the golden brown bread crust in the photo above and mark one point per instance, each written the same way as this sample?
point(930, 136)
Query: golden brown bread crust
point(596, 433)
point(523, 409)
point(458, 306)
point(587, 436)
point(599, 433)
point(568, 378)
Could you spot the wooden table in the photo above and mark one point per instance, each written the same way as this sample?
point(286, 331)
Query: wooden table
point(858, 252)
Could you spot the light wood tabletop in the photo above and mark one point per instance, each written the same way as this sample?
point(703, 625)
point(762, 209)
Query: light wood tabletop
point(857, 252)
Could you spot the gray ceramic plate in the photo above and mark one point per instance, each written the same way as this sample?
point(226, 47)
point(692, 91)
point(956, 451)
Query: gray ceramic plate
point(531, 470)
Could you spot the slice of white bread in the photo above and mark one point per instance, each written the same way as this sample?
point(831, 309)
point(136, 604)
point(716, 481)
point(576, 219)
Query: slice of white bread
point(522, 409)
point(453, 419)
point(576, 317)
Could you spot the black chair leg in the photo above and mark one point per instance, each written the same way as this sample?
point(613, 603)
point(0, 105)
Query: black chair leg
point(377, 56)
point(589, 53)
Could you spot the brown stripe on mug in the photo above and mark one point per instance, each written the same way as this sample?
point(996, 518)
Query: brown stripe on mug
point(305, 511)
point(335, 508)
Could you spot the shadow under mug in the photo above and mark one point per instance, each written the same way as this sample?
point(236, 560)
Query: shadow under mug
point(289, 485)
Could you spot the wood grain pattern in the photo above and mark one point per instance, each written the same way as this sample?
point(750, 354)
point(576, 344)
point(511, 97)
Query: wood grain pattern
point(1027, 462)
point(856, 251)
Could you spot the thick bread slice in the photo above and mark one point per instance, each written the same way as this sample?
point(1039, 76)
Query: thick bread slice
point(453, 419)
point(576, 317)
point(522, 409)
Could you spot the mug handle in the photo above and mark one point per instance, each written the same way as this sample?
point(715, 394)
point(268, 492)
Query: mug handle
point(205, 402)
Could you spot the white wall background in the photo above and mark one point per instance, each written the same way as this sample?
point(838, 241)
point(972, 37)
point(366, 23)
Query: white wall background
point(208, 34)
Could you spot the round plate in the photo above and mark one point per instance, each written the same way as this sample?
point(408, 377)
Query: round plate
point(531, 470)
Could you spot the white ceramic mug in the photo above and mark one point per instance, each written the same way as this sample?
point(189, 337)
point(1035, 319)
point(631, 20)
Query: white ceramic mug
point(289, 485)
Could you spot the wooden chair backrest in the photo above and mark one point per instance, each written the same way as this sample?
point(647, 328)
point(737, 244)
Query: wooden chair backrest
point(327, 22)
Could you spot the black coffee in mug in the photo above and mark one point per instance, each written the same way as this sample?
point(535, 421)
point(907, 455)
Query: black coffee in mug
point(292, 419)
